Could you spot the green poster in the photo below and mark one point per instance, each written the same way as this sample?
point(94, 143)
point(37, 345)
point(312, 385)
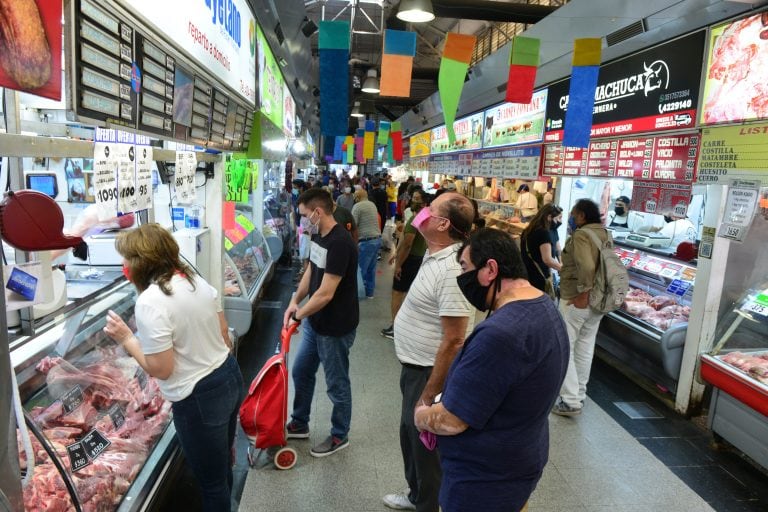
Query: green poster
point(270, 82)
point(238, 181)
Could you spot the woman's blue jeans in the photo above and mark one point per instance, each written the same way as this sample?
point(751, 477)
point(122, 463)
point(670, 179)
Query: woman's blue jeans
point(205, 424)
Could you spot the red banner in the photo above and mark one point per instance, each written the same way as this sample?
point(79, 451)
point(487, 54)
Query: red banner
point(680, 121)
point(661, 198)
point(601, 161)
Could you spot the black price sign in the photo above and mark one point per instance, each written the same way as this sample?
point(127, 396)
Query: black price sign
point(78, 459)
point(94, 443)
point(72, 399)
point(141, 375)
point(117, 416)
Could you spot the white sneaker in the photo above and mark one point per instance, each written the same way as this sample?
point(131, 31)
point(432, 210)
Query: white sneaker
point(398, 501)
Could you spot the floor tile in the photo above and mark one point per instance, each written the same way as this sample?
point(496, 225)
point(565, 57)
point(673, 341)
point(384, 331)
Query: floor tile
point(713, 482)
point(676, 451)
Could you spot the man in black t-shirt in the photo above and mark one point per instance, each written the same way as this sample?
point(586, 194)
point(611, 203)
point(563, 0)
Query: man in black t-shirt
point(333, 313)
point(379, 197)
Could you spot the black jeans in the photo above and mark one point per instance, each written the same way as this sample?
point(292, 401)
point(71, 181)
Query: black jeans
point(205, 424)
point(422, 467)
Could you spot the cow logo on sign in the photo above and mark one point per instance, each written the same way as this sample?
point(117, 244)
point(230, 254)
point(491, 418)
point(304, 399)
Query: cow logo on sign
point(656, 76)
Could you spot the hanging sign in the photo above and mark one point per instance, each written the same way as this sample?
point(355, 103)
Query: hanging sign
point(518, 163)
point(469, 135)
point(105, 164)
point(730, 152)
point(144, 158)
point(126, 178)
point(740, 209)
point(184, 179)
point(661, 198)
point(653, 90)
point(510, 124)
point(420, 144)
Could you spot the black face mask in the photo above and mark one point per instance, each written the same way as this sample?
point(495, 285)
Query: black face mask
point(476, 293)
point(619, 211)
point(556, 225)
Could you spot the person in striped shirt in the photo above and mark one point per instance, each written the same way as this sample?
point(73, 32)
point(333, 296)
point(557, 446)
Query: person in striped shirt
point(429, 329)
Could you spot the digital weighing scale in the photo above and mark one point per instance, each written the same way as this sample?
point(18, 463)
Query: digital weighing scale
point(648, 239)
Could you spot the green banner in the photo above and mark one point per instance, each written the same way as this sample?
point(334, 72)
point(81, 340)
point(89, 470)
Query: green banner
point(238, 180)
point(450, 82)
point(270, 82)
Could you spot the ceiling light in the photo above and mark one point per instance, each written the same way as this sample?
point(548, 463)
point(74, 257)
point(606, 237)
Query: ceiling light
point(415, 11)
point(371, 84)
point(356, 110)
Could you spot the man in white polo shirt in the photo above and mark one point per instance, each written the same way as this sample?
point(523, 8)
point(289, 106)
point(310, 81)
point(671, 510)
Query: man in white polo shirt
point(430, 327)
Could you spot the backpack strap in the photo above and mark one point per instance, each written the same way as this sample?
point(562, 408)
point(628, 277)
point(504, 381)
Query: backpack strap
point(595, 239)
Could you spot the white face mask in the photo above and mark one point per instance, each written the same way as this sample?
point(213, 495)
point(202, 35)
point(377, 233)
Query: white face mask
point(347, 190)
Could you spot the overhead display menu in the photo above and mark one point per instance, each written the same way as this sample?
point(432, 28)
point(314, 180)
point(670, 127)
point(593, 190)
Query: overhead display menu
point(420, 144)
point(518, 163)
point(653, 90)
point(103, 66)
point(202, 97)
point(469, 135)
point(157, 77)
point(670, 159)
point(730, 152)
point(511, 124)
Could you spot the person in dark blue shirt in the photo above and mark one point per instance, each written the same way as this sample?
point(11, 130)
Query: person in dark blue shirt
point(491, 421)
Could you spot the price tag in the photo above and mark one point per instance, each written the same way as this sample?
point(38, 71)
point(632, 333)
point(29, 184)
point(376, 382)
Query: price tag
point(94, 443)
point(678, 287)
point(144, 158)
point(117, 416)
point(105, 163)
point(184, 179)
point(77, 457)
point(126, 178)
point(754, 307)
point(72, 399)
point(141, 376)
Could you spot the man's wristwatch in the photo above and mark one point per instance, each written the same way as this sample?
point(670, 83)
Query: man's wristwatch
point(293, 317)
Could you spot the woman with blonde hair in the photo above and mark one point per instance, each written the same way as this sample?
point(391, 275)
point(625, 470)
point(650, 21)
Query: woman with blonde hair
point(182, 341)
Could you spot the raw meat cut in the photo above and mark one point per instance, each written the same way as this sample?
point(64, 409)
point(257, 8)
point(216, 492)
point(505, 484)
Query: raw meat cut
point(638, 309)
point(755, 365)
point(661, 301)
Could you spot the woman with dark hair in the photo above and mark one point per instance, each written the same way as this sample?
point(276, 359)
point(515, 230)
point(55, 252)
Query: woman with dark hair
point(492, 420)
point(182, 341)
point(536, 249)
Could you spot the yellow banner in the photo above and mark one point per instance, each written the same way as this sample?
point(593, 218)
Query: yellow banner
point(730, 152)
point(420, 144)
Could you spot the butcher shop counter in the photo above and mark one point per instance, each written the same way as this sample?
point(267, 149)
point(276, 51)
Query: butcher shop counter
point(737, 369)
point(101, 436)
point(648, 332)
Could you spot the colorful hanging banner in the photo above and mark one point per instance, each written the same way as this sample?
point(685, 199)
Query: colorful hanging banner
point(453, 68)
point(337, 149)
point(581, 97)
point(369, 143)
point(350, 143)
point(359, 146)
point(397, 141)
point(397, 63)
point(523, 63)
point(384, 127)
point(390, 152)
point(333, 46)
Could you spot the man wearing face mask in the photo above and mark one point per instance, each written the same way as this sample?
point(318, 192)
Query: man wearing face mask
point(346, 199)
point(407, 260)
point(619, 218)
point(679, 230)
point(494, 440)
point(332, 311)
point(429, 329)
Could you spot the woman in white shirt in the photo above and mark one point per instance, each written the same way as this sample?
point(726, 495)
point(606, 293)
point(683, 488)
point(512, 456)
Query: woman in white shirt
point(182, 341)
point(527, 204)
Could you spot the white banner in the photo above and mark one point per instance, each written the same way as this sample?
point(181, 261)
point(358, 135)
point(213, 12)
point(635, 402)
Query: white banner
point(126, 178)
point(105, 162)
point(144, 157)
point(220, 35)
point(184, 179)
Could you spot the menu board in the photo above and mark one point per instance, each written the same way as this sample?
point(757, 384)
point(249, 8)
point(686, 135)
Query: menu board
point(270, 82)
point(653, 90)
point(511, 124)
point(518, 163)
point(469, 135)
point(420, 144)
point(661, 198)
point(730, 152)
point(670, 159)
point(289, 113)
point(734, 83)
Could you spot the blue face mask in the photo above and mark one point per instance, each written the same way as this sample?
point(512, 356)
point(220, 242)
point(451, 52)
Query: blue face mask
point(295, 191)
point(572, 224)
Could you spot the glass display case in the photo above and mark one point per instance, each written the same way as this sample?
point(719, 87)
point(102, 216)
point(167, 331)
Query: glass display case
point(100, 416)
point(248, 259)
point(737, 368)
point(277, 208)
point(501, 216)
point(648, 332)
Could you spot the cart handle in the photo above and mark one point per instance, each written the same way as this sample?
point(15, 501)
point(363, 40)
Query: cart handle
point(285, 336)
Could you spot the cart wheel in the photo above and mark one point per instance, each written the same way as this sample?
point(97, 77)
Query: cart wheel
point(285, 458)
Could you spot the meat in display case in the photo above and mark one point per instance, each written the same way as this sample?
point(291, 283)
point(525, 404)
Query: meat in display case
point(737, 368)
point(91, 406)
point(248, 259)
point(648, 331)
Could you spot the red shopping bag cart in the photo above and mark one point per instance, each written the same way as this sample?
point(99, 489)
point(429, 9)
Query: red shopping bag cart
point(264, 411)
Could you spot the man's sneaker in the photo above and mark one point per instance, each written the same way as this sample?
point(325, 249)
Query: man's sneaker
point(563, 409)
point(399, 501)
point(328, 447)
point(389, 332)
point(295, 431)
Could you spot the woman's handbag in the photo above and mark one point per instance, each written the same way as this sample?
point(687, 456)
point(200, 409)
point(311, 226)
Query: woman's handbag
point(549, 285)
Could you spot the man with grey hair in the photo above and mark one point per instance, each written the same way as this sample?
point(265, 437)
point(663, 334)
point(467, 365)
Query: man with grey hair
point(429, 329)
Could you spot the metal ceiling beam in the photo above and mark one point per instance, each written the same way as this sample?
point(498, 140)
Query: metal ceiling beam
point(491, 11)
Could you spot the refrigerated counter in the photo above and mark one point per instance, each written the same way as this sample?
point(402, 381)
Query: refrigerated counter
point(102, 417)
point(648, 332)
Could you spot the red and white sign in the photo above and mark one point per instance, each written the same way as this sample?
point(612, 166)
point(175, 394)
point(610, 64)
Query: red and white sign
point(679, 120)
point(661, 197)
